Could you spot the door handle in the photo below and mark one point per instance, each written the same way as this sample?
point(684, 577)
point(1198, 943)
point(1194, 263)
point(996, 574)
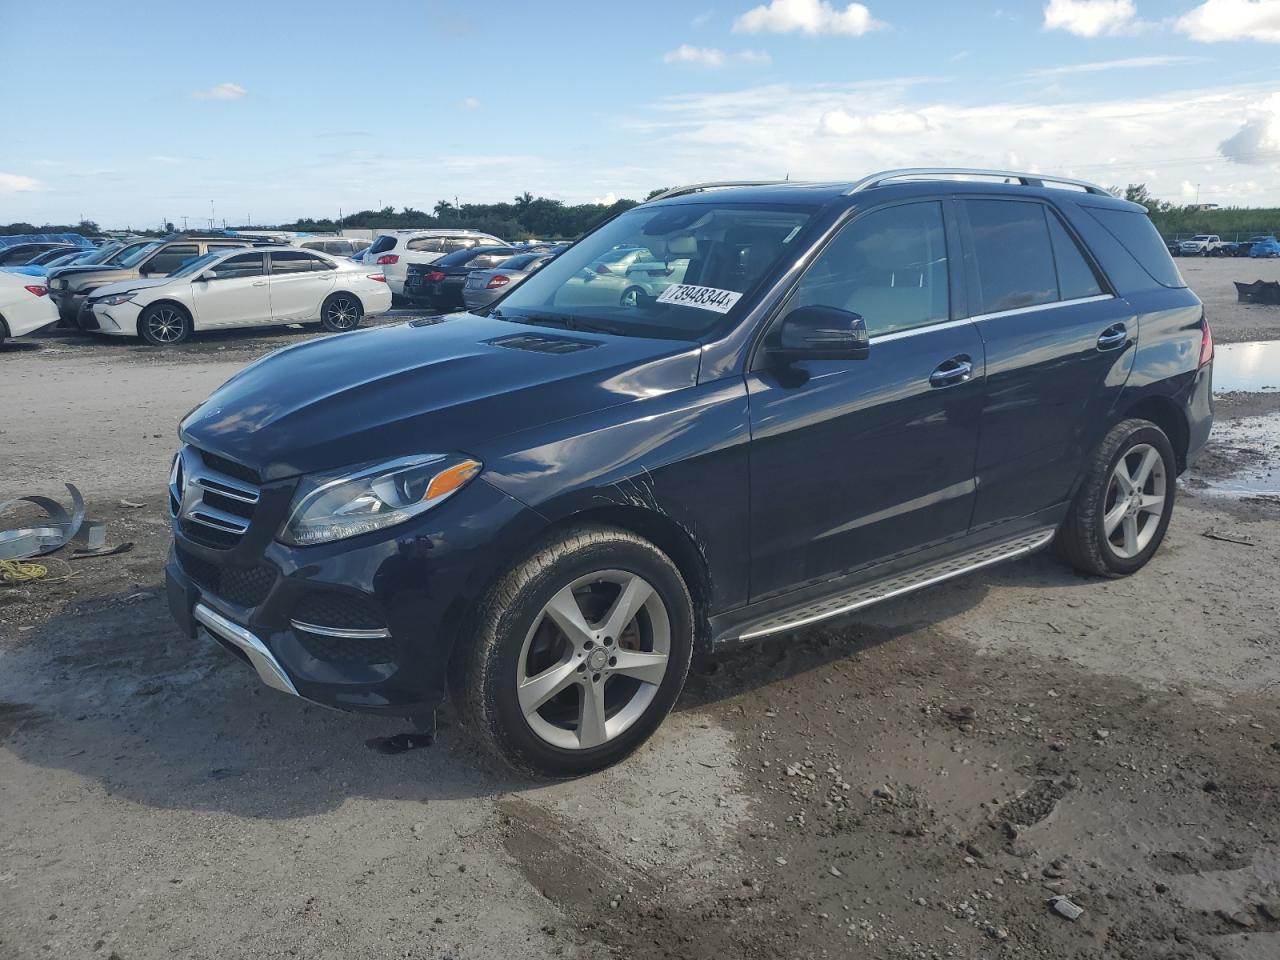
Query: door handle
point(950, 372)
point(259, 283)
point(1116, 335)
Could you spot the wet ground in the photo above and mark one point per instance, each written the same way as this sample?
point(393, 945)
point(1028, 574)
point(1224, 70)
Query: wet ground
point(918, 781)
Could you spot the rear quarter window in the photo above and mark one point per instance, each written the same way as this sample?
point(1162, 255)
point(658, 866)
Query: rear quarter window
point(1137, 234)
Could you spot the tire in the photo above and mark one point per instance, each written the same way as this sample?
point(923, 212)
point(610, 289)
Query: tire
point(341, 311)
point(631, 297)
point(517, 638)
point(164, 324)
point(1110, 531)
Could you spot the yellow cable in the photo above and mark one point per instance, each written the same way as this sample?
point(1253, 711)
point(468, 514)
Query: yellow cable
point(23, 571)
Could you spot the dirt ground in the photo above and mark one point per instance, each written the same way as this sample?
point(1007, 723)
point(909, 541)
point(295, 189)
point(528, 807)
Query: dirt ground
point(916, 781)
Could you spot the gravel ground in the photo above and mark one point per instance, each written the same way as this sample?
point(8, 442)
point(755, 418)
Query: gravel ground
point(917, 781)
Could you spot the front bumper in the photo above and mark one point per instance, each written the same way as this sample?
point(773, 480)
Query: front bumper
point(366, 624)
point(69, 304)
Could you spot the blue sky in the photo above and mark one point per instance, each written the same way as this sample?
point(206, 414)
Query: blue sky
point(132, 113)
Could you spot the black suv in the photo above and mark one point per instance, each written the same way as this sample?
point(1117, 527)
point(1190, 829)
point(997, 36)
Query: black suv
point(70, 289)
point(824, 396)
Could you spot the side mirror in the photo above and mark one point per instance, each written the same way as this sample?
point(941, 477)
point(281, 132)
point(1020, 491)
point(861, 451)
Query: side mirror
point(209, 275)
point(821, 333)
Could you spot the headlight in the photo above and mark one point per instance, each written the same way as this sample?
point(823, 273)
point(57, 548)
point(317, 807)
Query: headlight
point(116, 298)
point(336, 506)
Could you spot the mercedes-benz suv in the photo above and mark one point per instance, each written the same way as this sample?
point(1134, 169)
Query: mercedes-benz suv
point(847, 392)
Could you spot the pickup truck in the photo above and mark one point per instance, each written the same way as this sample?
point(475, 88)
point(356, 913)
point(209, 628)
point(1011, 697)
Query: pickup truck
point(1202, 245)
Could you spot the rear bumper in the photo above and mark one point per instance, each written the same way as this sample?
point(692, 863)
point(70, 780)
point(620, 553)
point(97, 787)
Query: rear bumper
point(1199, 408)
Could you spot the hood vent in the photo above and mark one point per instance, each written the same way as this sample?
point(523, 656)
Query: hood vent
point(429, 321)
point(542, 343)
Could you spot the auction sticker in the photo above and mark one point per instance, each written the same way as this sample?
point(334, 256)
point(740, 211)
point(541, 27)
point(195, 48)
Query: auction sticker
point(704, 298)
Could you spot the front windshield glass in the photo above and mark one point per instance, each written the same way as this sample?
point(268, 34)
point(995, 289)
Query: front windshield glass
point(133, 259)
point(671, 271)
point(196, 265)
point(99, 255)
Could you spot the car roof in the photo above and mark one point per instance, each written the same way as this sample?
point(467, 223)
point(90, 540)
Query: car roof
point(434, 232)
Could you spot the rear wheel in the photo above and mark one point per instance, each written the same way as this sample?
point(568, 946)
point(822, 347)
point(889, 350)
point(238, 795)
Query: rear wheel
point(164, 324)
point(342, 311)
point(579, 653)
point(1121, 512)
point(631, 297)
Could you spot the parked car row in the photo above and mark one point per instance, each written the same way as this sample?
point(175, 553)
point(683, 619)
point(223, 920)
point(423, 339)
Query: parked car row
point(1212, 245)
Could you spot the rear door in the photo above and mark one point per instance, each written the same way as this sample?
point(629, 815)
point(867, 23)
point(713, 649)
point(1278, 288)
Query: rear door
point(237, 296)
point(856, 461)
point(1059, 347)
point(299, 283)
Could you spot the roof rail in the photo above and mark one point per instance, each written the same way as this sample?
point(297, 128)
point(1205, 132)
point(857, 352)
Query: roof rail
point(711, 185)
point(1025, 179)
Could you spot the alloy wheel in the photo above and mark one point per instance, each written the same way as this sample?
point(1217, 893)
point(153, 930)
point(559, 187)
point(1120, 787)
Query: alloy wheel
point(343, 313)
point(593, 659)
point(166, 325)
point(1135, 500)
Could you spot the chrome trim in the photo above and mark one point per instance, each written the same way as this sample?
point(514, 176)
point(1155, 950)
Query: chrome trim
point(263, 660)
point(713, 184)
point(189, 481)
point(1042, 539)
point(947, 324)
point(345, 634)
point(1025, 179)
point(208, 516)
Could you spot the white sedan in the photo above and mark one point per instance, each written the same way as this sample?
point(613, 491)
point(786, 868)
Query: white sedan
point(239, 288)
point(25, 306)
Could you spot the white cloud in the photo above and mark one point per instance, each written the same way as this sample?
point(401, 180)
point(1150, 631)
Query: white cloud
point(16, 183)
point(1089, 18)
point(1257, 141)
point(1129, 63)
point(714, 57)
point(608, 200)
point(470, 103)
point(221, 91)
point(1216, 20)
point(813, 17)
point(842, 124)
point(702, 19)
point(698, 56)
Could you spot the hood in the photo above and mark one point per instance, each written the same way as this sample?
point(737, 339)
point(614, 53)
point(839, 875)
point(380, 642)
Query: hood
point(90, 277)
point(438, 387)
point(124, 286)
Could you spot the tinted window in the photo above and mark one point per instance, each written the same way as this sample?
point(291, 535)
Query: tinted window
point(243, 265)
point(426, 245)
point(313, 245)
point(295, 261)
point(1076, 277)
point(341, 248)
point(454, 244)
point(1138, 235)
point(382, 244)
point(889, 266)
point(1013, 256)
point(167, 259)
point(463, 257)
point(519, 262)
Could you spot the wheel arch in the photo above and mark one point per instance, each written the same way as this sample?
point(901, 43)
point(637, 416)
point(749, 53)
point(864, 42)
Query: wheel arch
point(168, 301)
point(4, 329)
point(1169, 417)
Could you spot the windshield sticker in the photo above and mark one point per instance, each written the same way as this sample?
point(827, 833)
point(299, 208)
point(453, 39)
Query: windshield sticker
point(704, 298)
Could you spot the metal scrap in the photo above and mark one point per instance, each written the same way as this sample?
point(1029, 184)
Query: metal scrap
point(34, 539)
point(1260, 291)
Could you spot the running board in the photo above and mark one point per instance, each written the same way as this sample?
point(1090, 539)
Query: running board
point(894, 586)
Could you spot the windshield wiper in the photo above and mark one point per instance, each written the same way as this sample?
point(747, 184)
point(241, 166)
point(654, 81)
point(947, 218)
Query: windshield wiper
point(563, 321)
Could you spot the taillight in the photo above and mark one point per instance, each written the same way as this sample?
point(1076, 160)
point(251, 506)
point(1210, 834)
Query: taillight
point(381, 278)
point(435, 276)
point(601, 268)
point(36, 289)
point(386, 259)
point(1206, 343)
point(498, 281)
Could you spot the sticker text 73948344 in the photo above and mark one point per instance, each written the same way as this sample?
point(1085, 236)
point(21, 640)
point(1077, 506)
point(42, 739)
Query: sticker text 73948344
point(704, 298)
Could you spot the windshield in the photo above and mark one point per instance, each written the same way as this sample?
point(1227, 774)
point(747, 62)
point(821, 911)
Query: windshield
point(670, 272)
point(100, 254)
point(133, 259)
point(195, 266)
point(519, 262)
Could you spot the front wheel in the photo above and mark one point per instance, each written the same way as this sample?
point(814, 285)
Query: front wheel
point(1122, 510)
point(164, 324)
point(578, 654)
point(342, 311)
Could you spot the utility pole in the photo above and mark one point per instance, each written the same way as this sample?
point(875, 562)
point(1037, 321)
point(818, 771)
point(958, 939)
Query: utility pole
point(211, 217)
point(184, 223)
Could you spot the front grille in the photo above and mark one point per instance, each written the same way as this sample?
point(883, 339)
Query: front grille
point(242, 586)
point(331, 608)
point(214, 498)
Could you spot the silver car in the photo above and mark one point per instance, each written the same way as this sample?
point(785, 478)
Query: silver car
point(482, 287)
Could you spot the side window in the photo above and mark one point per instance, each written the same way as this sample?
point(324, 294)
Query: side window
point(1076, 277)
point(454, 244)
point(1014, 258)
point(244, 265)
point(426, 245)
point(889, 266)
point(293, 261)
point(1138, 235)
point(168, 259)
point(313, 245)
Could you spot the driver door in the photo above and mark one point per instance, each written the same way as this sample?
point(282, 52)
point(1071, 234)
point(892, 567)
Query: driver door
point(857, 461)
point(238, 296)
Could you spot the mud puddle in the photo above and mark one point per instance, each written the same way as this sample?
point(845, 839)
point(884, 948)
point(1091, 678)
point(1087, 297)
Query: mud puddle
point(1252, 367)
point(1243, 460)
